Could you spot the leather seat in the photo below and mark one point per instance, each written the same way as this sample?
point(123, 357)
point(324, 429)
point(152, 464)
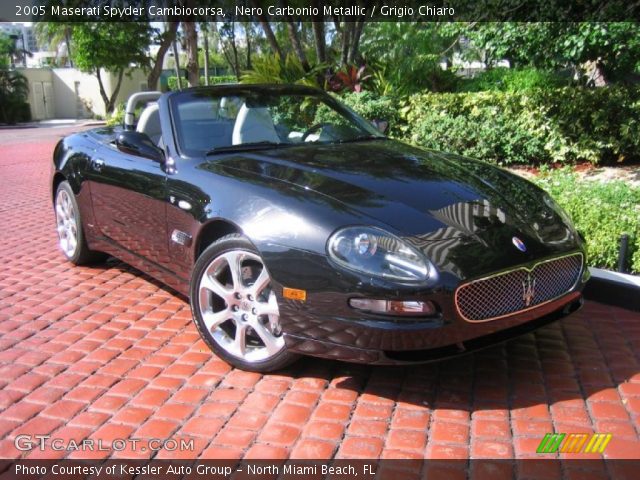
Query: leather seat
point(149, 123)
point(254, 125)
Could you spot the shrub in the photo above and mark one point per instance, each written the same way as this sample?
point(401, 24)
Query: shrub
point(172, 82)
point(373, 107)
point(601, 211)
point(14, 92)
point(537, 126)
point(513, 80)
point(117, 116)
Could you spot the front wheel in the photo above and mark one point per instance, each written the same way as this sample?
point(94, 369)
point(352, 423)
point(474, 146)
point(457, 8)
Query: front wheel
point(69, 226)
point(235, 308)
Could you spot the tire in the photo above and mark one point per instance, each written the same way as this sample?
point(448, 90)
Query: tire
point(234, 307)
point(71, 239)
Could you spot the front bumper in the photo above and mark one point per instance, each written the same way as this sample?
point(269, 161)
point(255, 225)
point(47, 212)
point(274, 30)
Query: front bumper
point(375, 342)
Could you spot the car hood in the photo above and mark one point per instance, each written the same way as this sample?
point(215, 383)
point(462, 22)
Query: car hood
point(428, 197)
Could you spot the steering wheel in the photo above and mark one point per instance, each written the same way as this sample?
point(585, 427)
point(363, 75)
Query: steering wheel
point(314, 128)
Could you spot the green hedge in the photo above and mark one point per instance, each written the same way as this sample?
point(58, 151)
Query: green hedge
point(172, 82)
point(513, 80)
point(374, 107)
point(601, 211)
point(528, 127)
point(535, 127)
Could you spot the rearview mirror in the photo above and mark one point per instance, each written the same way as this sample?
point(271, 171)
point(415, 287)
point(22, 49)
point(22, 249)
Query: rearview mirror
point(381, 125)
point(140, 145)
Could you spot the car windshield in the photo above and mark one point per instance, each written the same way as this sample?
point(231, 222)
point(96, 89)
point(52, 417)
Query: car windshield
point(211, 121)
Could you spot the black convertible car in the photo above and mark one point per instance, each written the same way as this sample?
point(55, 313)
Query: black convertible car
point(296, 227)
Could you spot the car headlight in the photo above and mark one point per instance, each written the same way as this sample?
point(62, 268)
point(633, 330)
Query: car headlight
point(378, 253)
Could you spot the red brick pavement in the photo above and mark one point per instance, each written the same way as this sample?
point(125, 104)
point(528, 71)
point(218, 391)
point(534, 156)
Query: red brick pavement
point(107, 353)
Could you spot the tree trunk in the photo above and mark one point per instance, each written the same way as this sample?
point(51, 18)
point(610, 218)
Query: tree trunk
point(191, 40)
point(336, 24)
point(230, 48)
point(114, 96)
point(354, 46)
point(346, 39)
point(103, 93)
point(176, 64)
point(228, 56)
point(236, 60)
point(109, 102)
point(295, 43)
point(247, 35)
point(318, 34)
point(168, 38)
point(67, 40)
point(268, 31)
point(205, 35)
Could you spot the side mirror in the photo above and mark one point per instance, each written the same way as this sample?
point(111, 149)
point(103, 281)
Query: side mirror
point(381, 125)
point(140, 145)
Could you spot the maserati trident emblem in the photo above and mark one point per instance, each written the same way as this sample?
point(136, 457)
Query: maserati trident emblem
point(528, 290)
point(519, 244)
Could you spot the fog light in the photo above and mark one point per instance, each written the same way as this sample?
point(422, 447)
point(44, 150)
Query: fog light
point(394, 307)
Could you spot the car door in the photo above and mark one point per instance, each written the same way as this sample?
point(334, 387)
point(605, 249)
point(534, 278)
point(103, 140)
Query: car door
point(128, 194)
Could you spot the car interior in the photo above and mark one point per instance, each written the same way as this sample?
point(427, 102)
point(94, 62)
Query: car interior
point(149, 123)
point(222, 122)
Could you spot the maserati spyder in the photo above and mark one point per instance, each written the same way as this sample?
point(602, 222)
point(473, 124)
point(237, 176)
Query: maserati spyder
point(294, 226)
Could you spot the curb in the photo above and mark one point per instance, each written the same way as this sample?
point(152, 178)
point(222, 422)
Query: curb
point(613, 288)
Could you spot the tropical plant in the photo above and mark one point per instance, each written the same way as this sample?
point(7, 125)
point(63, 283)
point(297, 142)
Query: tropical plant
point(14, 92)
point(350, 78)
point(269, 69)
point(10, 53)
point(52, 34)
point(6, 46)
point(406, 56)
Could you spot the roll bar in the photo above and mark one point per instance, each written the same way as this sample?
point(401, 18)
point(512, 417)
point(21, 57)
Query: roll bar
point(132, 103)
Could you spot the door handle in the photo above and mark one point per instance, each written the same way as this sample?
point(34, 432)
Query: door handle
point(97, 164)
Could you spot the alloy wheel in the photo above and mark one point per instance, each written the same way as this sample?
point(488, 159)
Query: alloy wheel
point(239, 308)
point(67, 224)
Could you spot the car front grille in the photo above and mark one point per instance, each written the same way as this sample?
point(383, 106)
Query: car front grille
point(519, 289)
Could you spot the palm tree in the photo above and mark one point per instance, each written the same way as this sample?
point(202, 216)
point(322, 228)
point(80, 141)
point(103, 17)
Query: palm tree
point(14, 91)
point(52, 34)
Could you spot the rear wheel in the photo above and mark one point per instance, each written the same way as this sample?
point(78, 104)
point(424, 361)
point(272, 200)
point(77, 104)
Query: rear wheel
point(235, 308)
point(70, 230)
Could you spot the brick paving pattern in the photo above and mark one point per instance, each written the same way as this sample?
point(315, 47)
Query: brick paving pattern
point(108, 353)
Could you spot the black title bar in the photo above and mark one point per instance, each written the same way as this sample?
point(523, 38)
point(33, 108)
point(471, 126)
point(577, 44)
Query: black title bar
point(320, 10)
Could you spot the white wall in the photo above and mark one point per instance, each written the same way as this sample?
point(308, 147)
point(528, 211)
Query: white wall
point(77, 94)
point(85, 104)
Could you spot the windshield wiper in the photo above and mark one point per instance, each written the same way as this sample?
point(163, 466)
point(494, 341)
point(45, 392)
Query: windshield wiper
point(247, 146)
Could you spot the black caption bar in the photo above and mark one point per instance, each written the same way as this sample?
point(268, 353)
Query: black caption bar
point(318, 10)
